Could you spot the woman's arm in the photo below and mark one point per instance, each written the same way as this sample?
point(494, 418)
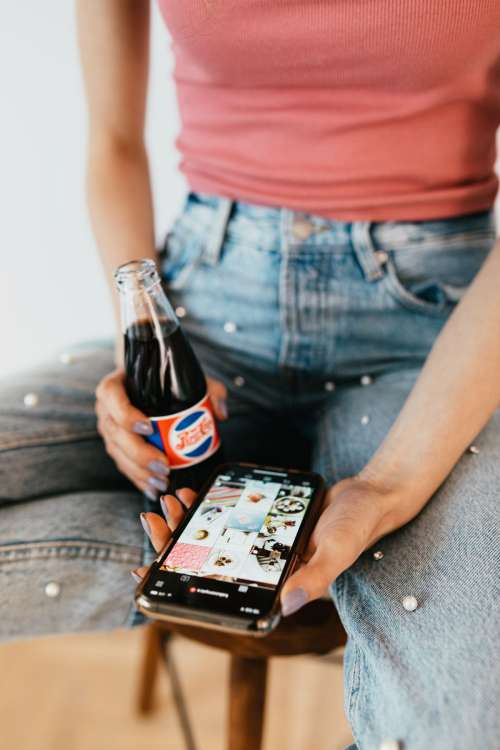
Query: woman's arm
point(114, 48)
point(455, 395)
point(113, 37)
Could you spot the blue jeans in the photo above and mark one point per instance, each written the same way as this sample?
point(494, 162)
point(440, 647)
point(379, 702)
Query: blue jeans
point(319, 329)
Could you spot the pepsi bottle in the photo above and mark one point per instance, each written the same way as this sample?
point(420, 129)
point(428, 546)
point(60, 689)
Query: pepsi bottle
point(164, 379)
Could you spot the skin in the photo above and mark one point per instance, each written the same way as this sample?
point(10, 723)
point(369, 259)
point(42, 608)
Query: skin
point(407, 468)
point(114, 51)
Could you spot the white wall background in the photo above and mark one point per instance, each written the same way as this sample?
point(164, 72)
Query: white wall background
point(51, 288)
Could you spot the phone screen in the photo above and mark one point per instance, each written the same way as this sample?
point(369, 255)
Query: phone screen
point(234, 550)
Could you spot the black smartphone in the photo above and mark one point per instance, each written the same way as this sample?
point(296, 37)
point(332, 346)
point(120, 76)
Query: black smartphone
point(227, 561)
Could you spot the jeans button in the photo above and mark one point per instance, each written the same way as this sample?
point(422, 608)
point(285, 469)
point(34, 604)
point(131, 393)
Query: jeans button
point(302, 229)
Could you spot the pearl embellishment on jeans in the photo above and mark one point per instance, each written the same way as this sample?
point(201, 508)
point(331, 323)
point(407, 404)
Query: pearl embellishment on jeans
point(180, 311)
point(329, 386)
point(473, 449)
point(389, 745)
point(378, 555)
point(52, 589)
point(366, 380)
point(365, 419)
point(230, 327)
point(66, 358)
point(410, 603)
point(31, 399)
point(239, 381)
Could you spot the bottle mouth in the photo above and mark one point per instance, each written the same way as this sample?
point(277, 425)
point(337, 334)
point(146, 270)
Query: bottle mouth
point(136, 274)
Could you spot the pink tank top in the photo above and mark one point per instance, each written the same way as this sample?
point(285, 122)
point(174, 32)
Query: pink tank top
point(350, 109)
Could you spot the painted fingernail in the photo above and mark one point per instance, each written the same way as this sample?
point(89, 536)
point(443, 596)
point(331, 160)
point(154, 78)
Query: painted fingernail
point(135, 575)
point(159, 468)
point(293, 601)
point(159, 484)
point(164, 508)
point(151, 495)
point(143, 428)
point(223, 408)
point(145, 524)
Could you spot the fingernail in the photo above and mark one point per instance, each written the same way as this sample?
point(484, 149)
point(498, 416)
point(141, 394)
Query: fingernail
point(159, 484)
point(145, 524)
point(223, 408)
point(135, 575)
point(159, 468)
point(293, 601)
point(143, 428)
point(164, 508)
point(151, 495)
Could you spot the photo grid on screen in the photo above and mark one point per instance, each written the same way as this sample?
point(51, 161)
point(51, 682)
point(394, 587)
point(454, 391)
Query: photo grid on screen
point(242, 532)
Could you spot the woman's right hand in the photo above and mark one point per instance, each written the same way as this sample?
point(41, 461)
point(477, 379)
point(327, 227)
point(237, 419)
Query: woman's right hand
point(123, 427)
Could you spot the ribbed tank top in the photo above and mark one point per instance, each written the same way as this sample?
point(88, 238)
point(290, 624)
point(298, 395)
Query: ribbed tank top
point(350, 109)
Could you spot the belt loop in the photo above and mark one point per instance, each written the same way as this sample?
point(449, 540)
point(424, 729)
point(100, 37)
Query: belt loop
point(215, 241)
point(365, 250)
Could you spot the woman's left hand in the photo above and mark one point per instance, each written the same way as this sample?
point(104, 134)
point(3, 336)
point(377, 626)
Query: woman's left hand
point(160, 530)
point(355, 515)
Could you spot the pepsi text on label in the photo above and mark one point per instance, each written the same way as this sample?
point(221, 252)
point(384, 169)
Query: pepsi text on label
point(188, 437)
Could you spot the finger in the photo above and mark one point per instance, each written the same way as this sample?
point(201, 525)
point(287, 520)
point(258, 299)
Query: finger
point(218, 396)
point(159, 533)
point(309, 582)
point(157, 530)
point(144, 479)
point(174, 508)
point(186, 496)
point(112, 394)
point(137, 450)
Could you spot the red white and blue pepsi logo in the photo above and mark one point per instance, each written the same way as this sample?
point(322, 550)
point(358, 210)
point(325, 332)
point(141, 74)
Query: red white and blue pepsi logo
point(188, 437)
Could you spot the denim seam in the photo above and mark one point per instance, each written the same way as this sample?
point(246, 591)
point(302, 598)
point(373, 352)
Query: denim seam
point(35, 441)
point(330, 458)
point(354, 682)
point(98, 551)
point(439, 240)
point(286, 331)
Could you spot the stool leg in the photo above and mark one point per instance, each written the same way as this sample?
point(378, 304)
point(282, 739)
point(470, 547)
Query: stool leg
point(151, 657)
point(247, 700)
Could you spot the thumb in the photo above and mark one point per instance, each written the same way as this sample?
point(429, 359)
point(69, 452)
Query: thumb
point(218, 396)
point(309, 582)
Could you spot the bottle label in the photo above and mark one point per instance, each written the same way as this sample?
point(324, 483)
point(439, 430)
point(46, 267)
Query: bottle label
point(188, 437)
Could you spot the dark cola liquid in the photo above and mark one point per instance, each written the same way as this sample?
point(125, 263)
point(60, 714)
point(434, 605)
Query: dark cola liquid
point(163, 377)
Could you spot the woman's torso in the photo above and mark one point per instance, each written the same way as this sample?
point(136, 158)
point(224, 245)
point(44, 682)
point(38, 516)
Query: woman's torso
point(347, 109)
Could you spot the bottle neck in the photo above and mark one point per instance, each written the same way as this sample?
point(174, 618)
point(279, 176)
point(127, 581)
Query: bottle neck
point(143, 300)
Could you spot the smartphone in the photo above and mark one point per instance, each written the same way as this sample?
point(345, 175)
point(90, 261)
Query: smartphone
point(227, 561)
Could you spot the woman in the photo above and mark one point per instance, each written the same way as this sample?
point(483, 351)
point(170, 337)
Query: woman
point(336, 265)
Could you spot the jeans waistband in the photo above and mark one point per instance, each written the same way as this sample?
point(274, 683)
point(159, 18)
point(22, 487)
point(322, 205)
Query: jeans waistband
point(294, 232)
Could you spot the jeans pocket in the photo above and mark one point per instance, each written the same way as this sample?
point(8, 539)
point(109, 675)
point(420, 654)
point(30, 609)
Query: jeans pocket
point(195, 239)
point(180, 255)
point(431, 276)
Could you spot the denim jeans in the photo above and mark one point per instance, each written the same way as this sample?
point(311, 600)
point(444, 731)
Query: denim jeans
point(319, 329)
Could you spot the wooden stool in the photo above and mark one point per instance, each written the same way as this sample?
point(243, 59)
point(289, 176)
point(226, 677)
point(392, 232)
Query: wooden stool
point(314, 629)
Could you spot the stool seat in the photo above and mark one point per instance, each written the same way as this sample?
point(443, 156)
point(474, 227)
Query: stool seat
point(315, 629)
